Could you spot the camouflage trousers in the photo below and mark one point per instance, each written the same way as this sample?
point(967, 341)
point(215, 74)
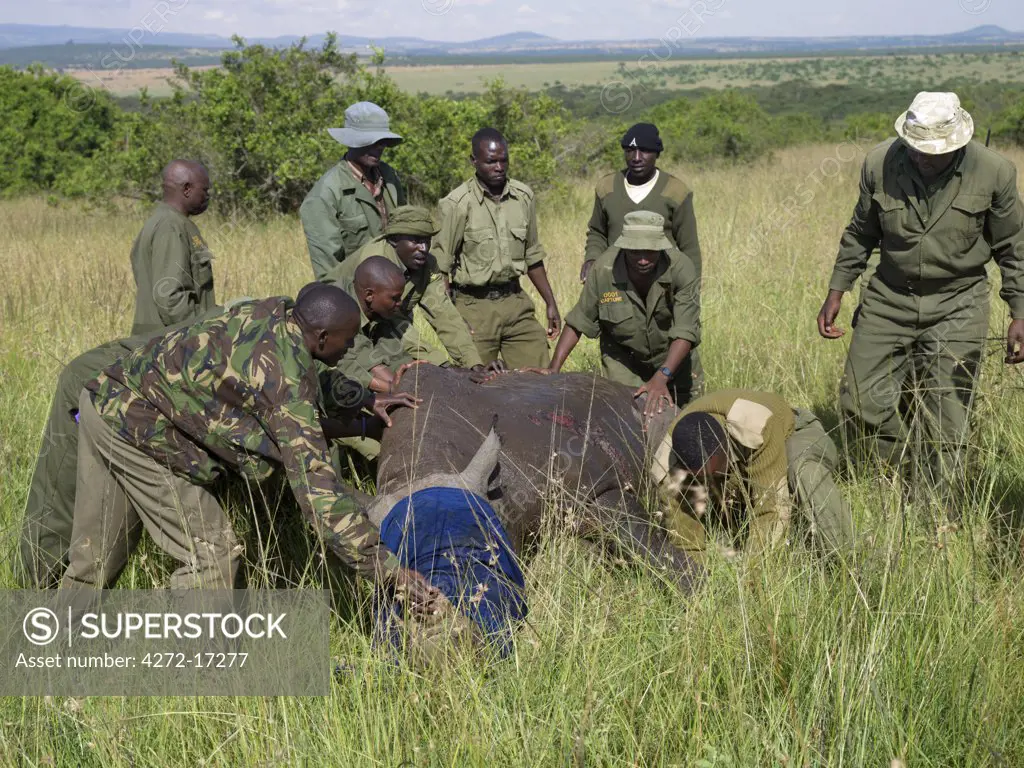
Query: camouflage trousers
point(121, 490)
point(825, 514)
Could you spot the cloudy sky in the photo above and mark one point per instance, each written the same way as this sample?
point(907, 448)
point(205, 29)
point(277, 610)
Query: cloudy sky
point(566, 19)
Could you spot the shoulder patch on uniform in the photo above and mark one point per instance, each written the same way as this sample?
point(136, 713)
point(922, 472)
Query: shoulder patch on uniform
point(521, 187)
point(605, 185)
point(746, 421)
point(676, 189)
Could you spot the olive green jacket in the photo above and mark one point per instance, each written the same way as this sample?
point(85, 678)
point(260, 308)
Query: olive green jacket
point(977, 216)
point(484, 242)
point(339, 215)
point(424, 288)
point(610, 307)
point(173, 271)
point(670, 198)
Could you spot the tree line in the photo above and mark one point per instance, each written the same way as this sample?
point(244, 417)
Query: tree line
point(258, 123)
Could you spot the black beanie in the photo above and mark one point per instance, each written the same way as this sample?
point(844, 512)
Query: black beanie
point(643, 136)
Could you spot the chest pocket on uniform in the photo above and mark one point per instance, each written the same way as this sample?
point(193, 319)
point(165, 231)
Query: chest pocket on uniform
point(355, 228)
point(892, 216)
point(202, 267)
point(967, 215)
point(517, 245)
point(479, 252)
point(617, 320)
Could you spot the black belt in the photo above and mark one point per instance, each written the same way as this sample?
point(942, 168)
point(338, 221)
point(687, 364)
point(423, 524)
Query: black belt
point(492, 291)
point(927, 287)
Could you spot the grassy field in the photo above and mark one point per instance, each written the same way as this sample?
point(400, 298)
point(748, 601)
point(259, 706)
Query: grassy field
point(882, 72)
point(908, 654)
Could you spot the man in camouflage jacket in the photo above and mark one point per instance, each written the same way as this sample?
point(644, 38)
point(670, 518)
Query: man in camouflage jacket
point(237, 392)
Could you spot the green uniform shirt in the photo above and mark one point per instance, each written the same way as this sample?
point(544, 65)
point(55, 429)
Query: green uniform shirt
point(974, 217)
point(670, 197)
point(756, 489)
point(424, 288)
point(339, 215)
point(611, 308)
point(173, 271)
point(484, 241)
point(239, 391)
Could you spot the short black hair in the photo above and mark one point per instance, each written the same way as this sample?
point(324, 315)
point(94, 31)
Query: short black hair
point(696, 438)
point(377, 272)
point(323, 306)
point(485, 135)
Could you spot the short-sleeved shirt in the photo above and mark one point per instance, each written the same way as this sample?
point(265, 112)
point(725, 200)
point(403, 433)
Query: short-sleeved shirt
point(173, 269)
point(484, 241)
point(610, 307)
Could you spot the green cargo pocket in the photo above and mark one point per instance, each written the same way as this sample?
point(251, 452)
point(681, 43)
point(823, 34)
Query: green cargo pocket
point(967, 215)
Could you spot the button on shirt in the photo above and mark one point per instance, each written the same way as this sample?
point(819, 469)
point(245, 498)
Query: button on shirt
point(487, 241)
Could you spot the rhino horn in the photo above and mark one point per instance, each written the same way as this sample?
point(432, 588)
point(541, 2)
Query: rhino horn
point(480, 467)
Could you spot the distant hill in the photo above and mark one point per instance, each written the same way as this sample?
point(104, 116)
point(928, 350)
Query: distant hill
point(68, 47)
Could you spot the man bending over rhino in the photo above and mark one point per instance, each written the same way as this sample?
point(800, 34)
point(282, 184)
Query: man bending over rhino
point(238, 393)
point(739, 460)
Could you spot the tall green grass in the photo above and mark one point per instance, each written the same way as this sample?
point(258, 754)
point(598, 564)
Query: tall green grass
point(910, 651)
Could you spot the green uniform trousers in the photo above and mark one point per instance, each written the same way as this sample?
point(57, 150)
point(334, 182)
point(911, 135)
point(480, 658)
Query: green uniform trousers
point(119, 488)
point(620, 367)
point(812, 458)
point(505, 326)
point(46, 531)
point(922, 350)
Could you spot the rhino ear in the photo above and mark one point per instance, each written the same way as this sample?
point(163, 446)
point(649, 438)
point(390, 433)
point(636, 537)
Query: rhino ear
point(481, 466)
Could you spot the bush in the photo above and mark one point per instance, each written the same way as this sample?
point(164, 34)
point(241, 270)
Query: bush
point(51, 124)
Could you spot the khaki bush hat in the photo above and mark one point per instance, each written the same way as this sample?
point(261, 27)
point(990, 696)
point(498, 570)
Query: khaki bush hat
point(365, 124)
point(935, 123)
point(411, 220)
point(643, 231)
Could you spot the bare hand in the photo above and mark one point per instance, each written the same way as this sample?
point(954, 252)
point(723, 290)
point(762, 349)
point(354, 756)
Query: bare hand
point(416, 592)
point(402, 369)
point(585, 269)
point(658, 396)
point(554, 321)
point(827, 316)
point(531, 369)
point(1015, 342)
point(399, 400)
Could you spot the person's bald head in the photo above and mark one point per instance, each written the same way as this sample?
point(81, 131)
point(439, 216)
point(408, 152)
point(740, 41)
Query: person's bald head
point(379, 285)
point(186, 186)
point(329, 319)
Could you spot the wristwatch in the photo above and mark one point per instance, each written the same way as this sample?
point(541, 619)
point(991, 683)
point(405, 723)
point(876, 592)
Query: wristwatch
point(667, 371)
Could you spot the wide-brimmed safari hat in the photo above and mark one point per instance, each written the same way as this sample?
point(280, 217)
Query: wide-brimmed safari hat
point(365, 124)
point(643, 231)
point(935, 123)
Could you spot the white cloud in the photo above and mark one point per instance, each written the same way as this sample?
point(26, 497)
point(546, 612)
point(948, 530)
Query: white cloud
point(525, 10)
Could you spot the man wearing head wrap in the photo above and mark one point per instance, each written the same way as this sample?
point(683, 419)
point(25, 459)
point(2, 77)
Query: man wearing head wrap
point(938, 208)
point(405, 242)
point(642, 186)
point(350, 204)
point(739, 462)
point(642, 300)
